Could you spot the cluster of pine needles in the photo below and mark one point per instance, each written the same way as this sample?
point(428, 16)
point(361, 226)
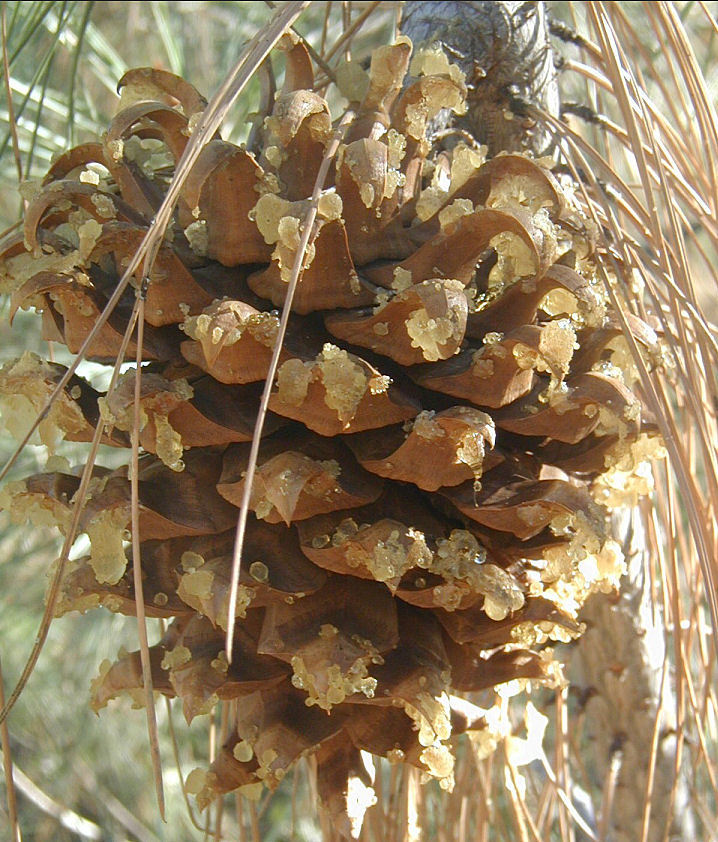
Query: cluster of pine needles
point(638, 723)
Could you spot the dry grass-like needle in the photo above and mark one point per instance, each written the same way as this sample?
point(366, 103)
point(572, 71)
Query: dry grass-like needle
point(628, 750)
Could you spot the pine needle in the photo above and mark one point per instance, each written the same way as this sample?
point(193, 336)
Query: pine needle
point(650, 174)
point(8, 93)
point(137, 561)
point(178, 766)
point(73, 822)
point(7, 767)
point(307, 227)
point(53, 591)
point(84, 24)
point(351, 30)
point(252, 56)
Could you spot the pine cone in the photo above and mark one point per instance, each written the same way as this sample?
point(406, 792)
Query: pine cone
point(451, 387)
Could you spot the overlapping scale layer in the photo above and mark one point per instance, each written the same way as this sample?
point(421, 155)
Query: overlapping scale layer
point(450, 389)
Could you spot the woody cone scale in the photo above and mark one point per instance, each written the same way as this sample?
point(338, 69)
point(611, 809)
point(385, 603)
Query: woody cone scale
point(451, 412)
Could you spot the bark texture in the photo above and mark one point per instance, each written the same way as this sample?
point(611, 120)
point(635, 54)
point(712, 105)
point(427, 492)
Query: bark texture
point(505, 52)
point(618, 665)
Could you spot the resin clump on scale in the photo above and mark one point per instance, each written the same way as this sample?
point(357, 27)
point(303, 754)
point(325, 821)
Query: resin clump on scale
point(446, 419)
